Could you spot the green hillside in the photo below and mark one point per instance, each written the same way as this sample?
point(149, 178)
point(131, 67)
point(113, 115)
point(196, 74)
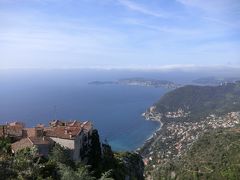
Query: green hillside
point(215, 155)
point(201, 100)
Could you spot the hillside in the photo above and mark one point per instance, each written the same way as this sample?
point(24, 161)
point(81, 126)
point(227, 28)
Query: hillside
point(214, 80)
point(201, 101)
point(215, 155)
point(197, 123)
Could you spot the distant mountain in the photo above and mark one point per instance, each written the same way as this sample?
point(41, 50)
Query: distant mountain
point(102, 82)
point(200, 101)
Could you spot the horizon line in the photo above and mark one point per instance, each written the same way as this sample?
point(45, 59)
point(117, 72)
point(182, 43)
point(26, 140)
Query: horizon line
point(169, 67)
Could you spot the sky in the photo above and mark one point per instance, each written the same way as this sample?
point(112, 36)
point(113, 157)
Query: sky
point(119, 33)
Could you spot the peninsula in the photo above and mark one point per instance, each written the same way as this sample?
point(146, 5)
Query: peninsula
point(139, 82)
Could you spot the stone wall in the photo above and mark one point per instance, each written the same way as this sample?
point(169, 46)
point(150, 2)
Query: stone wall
point(67, 143)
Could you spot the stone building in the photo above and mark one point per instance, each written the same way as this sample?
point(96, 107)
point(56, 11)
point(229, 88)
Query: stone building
point(42, 144)
point(12, 130)
point(73, 135)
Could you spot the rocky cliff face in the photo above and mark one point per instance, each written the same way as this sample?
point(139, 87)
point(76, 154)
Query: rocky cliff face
point(134, 166)
point(123, 166)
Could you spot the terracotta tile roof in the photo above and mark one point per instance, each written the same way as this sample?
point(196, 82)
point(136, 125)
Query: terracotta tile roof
point(55, 123)
point(67, 130)
point(40, 140)
point(29, 132)
point(74, 123)
point(23, 143)
point(30, 142)
point(14, 130)
point(87, 126)
point(64, 132)
point(60, 129)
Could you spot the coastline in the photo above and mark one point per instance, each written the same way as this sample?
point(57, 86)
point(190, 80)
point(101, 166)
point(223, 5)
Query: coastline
point(176, 136)
point(157, 130)
point(150, 116)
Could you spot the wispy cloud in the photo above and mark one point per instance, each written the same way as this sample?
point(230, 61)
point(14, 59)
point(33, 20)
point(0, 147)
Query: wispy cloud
point(222, 12)
point(142, 9)
point(93, 34)
point(213, 5)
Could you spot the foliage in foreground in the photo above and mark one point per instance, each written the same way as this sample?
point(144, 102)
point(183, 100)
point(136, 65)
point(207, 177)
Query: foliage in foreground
point(27, 165)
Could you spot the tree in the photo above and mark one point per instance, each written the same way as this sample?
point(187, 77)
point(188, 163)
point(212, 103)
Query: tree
point(26, 163)
point(5, 146)
point(61, 155)
point(6, 170)
point(106, 175)
point(67, 173)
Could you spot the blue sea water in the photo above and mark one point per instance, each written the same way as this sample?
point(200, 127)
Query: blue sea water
point(115, 110)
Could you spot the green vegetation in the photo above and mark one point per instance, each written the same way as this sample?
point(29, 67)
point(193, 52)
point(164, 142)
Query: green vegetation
point(196, 145)
point(138, 82)
point(26, 164)
point(201, 100)
point(214, 80)
point(215, 155)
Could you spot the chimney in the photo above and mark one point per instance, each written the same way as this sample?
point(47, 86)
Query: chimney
point(39, 131)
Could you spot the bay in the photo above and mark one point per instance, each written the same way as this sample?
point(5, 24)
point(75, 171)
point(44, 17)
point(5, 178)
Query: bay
point(30, 96)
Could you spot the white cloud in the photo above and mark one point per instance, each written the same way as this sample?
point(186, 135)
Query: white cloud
point(34, 37)
point(213, 69)
point(141, 9)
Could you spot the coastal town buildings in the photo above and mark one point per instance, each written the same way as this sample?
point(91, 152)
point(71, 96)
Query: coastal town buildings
point(176, 137)
point(73, 135)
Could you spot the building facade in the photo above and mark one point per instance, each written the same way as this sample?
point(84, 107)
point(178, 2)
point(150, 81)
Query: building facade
point(72, 135)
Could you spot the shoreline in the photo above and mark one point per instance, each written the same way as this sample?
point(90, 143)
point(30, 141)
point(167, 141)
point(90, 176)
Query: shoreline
point(175, 137)
point(152, 118)
point(151, 136)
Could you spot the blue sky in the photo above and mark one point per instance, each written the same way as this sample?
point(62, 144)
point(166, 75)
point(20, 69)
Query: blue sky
point(119, 33)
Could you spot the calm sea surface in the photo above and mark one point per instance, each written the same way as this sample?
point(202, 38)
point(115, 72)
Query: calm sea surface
point(30, 96)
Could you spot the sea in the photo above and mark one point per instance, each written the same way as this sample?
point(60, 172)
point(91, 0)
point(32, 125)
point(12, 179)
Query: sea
point(37, 96)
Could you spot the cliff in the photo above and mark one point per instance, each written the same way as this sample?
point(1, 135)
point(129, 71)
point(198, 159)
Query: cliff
point(123, 165)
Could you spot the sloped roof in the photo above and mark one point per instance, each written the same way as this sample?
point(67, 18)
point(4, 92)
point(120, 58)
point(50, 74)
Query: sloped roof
point(30, 142)
point(70, 129)
point(87, 126)
point(40, 140)
point(22, 144)
point(30, 132)
point(63, 132)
